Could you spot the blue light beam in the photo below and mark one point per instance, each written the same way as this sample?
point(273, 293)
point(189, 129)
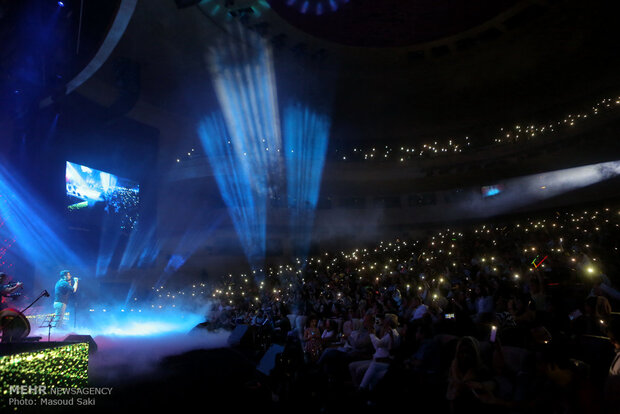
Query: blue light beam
point(109, 241)
point(34, 228)
point(236, 181)
point(243, 75)
point(142, 247)
point(306, 135)
point(192, 239)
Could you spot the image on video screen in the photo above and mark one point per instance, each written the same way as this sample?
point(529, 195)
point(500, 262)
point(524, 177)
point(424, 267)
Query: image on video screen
point(87, 188)
point(492, 190)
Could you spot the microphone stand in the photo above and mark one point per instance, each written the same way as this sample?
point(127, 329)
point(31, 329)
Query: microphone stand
point(44, 293)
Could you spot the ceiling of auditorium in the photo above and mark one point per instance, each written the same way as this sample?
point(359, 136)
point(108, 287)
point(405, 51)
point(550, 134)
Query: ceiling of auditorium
point(397, 70)
point(387, 22)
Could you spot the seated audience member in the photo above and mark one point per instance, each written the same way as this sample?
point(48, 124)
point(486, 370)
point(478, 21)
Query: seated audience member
point(603, 307)
point(435, 312)
point(347, 326)
point(330, 333)
point(259, 318)
point(366, 374)
point(537, 292)
point(483, 303)
point(225, 321)
point(312, 337)
point(503, 318)
point(358, 346)
point(282, 326)
point(419, 308)
point(406, 311)
point(602, 287)
point(596, 312)
point(564, 386)
point(521, 313)
point(424, 359)
point(612, 385)
point(359, 342)
point(469, 381)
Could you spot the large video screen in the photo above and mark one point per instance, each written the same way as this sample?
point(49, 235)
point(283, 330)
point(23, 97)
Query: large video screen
point(88, 188)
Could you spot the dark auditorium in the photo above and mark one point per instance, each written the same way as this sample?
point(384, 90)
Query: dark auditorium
point(310, 206)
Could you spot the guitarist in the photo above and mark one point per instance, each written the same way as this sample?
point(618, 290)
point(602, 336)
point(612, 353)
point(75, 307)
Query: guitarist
point(7, 289)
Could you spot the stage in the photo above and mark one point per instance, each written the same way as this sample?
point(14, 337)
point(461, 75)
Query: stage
point(96, 363)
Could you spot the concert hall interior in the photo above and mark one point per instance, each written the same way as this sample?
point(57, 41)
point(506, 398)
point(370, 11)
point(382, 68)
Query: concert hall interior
point(310, 205)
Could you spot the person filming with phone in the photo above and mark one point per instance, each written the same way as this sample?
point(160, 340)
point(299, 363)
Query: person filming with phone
point(64, 289)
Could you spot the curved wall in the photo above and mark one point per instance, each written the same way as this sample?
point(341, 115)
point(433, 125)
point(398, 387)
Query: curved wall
point(366, 201)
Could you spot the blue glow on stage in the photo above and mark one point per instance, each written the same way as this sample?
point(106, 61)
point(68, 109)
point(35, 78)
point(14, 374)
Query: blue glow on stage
point(306, 135)
point(125, 322)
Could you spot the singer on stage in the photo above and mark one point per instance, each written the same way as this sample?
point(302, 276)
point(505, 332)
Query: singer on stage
point(63, 290)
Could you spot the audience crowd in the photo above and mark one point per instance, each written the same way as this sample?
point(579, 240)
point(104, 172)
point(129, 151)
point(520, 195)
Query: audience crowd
point(517, 315)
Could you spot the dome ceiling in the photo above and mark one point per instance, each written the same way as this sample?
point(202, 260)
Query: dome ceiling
point(387, 23)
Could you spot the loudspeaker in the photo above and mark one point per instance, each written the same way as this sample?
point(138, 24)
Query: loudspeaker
point(268, 361)
point(240, 336)
point(92, 348)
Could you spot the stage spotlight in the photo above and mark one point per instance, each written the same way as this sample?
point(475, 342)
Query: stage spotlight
point(61, 4)
point(243, 143)
point(243, 77)
point(237, 180)
point(306, 134)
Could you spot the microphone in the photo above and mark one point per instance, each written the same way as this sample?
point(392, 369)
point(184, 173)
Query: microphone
point(46, 293)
